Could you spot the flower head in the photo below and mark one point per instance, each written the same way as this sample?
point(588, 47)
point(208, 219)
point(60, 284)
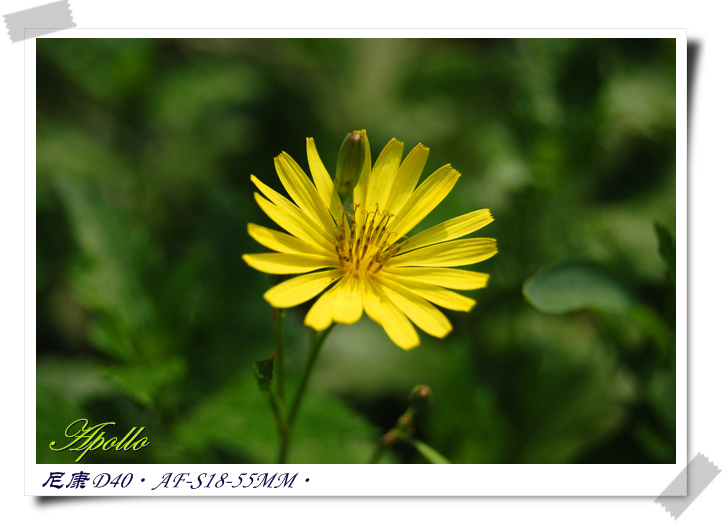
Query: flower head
point(362, 257)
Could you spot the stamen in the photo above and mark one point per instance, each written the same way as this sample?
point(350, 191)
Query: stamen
point(363, 245)
point(382, 227)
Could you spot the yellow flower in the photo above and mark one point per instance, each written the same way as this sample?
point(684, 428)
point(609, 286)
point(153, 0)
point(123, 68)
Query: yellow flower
point(364, 253)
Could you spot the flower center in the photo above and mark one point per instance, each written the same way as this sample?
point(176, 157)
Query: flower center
point(365, 245)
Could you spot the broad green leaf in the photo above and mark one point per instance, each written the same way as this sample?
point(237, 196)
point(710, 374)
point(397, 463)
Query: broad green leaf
point(572, 286)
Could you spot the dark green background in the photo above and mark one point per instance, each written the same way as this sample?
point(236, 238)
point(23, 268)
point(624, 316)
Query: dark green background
point(147, 316)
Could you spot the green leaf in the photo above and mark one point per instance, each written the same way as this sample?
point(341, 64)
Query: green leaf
point(263, 370)
point(572, 286)
point(667, 250)
point(425, 450)
point(237, 422)
point(328, 431)
point(63, 389)
point(656, 328)
point(573, 403)
point(112, 277)
point(143, 382)
point(660, 392)
point(654, 442)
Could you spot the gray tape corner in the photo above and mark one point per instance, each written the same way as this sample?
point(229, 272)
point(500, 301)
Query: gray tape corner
point(698, 474)
point(41, 20)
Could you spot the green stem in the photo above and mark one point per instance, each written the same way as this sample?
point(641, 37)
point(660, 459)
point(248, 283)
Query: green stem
point(278, 315)
point(278, 410)
point(316, 343)
point(283, 448)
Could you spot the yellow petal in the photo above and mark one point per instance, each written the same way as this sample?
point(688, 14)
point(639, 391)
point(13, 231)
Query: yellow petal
point(300, 289)
point(424, 199)
point(276, 263)
point(282, 242)
point(383, 174)
point(347, 301)
point(451, 229)
point(425, 315)
point(442, 277)
point(302, 191)
point(291, 219)
point(342, 303)
point(360, 191)
point(442, 297)
point(320, 315)
point(323, 180)
point(407, 178)
point(449, 254)
point(380, 309)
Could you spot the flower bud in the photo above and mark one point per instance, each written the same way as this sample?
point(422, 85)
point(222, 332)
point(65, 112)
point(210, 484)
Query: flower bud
point(420, 397)
point(406, 422)
point(351, 159)
point(391, 437)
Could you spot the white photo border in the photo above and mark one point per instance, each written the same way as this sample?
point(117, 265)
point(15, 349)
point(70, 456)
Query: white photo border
point(372, 480)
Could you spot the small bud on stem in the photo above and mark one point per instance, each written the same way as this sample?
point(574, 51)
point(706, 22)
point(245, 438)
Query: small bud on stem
point(420, 397)
point(351, 159)
point(406, 422)
point(391, 437)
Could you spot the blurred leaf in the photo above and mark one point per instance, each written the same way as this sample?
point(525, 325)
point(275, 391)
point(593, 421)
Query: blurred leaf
point(654, 326)
point(572, 286)
point(115, 278)
point(108, 70)
point(238, 420)
point(661, 395)
point(572, 402)
point(667, 251)
point(75, 380)
point(83, 153)
point(640, 101)
point(234, 418)
point(108, 277)
point(653, 441)
point(53, 414)
point(62, 389)
point(327, 431)
point(187, 96)
point(141, 381)
point(433, 456)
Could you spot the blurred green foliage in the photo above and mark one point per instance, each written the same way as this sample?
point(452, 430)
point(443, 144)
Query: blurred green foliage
point(146, 315)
